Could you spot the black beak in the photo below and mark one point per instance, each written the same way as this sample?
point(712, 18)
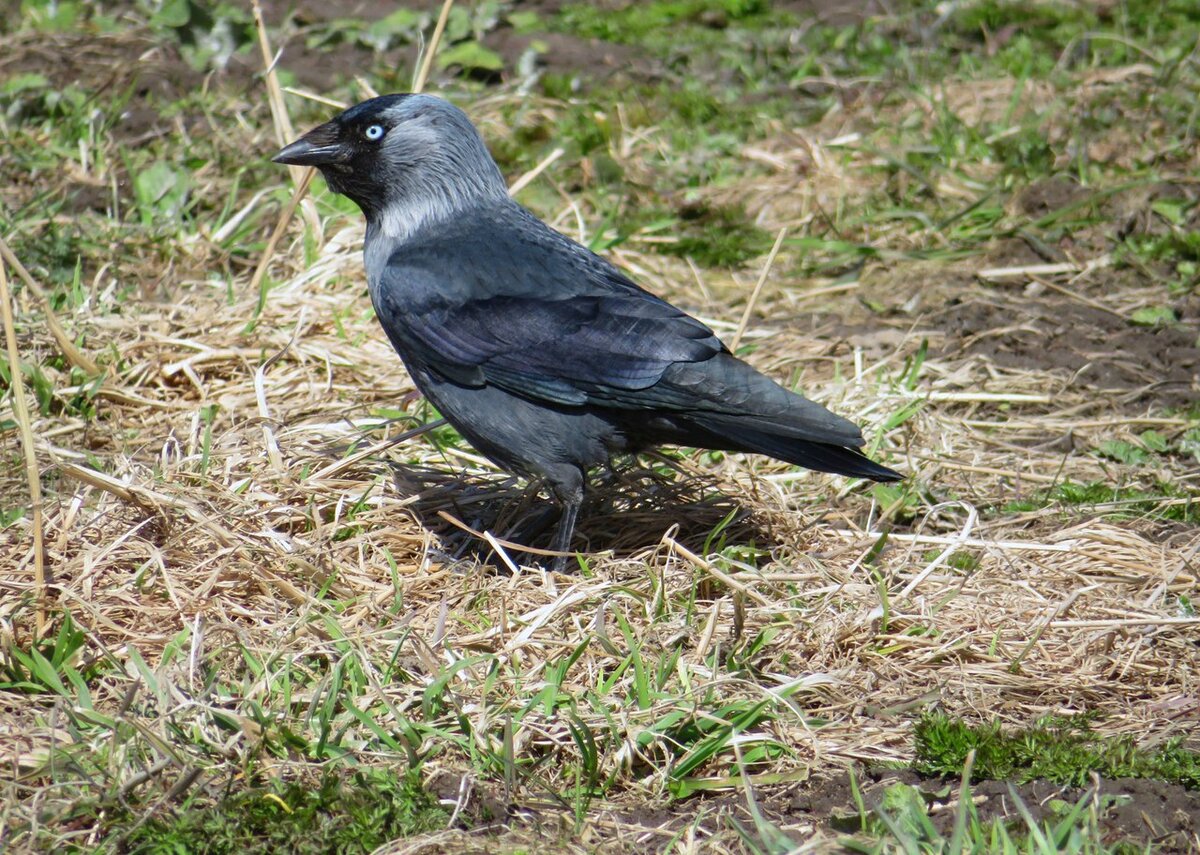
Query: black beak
point(319, 147)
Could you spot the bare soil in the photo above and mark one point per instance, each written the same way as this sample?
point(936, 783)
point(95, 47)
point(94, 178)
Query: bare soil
point(1167, 815)
point(559, 53)
point(1142, 811)
point(1085, 347)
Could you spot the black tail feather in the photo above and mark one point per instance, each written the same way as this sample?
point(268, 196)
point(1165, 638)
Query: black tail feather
point(822, 457)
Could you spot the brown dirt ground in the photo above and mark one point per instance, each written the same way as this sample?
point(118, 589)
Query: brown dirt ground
point(1166, 814)
point(1086, 346)
point(1079, 335)
point(560, 53)
point(1146, 812)
point(1071, 331)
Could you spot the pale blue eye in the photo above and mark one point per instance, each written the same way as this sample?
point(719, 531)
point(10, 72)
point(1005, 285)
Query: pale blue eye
point(374, 133)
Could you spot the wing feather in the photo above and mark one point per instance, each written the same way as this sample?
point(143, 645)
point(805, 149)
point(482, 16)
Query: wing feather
point(557, 343)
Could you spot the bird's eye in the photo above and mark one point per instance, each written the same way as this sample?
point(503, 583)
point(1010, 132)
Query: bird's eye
point(374, 133)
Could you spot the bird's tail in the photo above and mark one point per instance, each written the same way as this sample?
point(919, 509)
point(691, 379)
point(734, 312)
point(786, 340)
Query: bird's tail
point(821, 456)
point(734, 407)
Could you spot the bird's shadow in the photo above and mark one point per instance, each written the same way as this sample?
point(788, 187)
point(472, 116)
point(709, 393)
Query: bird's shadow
point(625, 513)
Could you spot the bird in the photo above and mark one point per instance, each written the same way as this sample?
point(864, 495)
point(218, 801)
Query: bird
point(543, 355)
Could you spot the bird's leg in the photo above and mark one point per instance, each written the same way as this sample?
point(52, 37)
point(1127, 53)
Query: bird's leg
point(562, 536)
point(566, 485)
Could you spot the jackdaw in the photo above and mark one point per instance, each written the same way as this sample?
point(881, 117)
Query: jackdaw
point(543, 355)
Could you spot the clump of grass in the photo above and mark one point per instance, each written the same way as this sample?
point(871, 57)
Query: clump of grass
point(1167, 502)
point(637, 21)
point(903, 823)
point(47, 666)
point(348, 815)
point(1064, 751)
point(716, 236)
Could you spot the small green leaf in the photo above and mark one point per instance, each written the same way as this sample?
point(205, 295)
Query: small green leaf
point(887, 495)
point(8, 516)
point(23, 83)
point(1152, 316)
point(53, 17)
point(44, 671)
point(1174, 211)
point(1154, 441)
point(400, 26)
point(524, 22)
point(902, 415)
point(1122, 452)
point(160, 191)
point(470, 55)
point(173, 14)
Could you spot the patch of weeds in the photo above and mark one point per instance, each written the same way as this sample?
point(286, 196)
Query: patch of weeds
point(1122, 501)
point(57, 17)
point(1132, 500)
point(748, 657)
point(1156, 21)
point(875, 48)
point(77, 399)
point(1037, 33)
point(695, 740)
point(1177, 246)
point(344, 814)
point(1149, 443)
point(693, 105)
point(636, 22)
point(208, 34)
point(1025, 154)
point(1154, 316)
point(48, 666)
point(403, 26)
point(1030, 37)
point(160, 192)
point(963, 560)
point(588, 129)
point(899, 502)
point(1173, 244)
point(135, 201)
point(718, 236)
point(1063, 751)
point(903, 822)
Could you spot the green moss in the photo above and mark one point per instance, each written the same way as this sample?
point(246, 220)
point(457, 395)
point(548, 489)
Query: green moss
point(346, 815)
point(1064, 751)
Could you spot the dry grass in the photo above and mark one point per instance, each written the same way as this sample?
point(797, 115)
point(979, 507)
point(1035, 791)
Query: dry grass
point(204, 536)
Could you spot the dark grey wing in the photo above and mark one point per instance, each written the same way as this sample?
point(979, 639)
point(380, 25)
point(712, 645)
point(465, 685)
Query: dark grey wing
point(562, 343)
point(615, 343)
